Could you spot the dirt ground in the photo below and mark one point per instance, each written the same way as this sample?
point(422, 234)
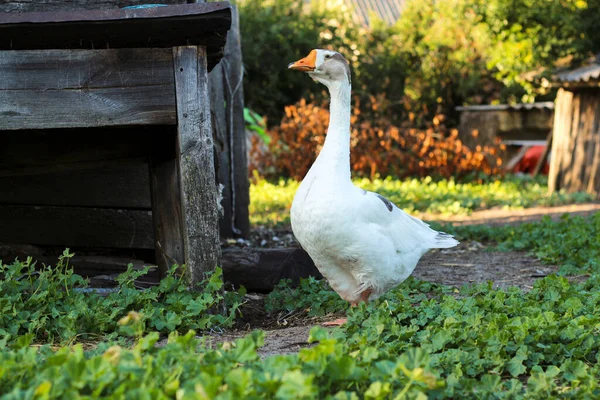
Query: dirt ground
point(469, 262)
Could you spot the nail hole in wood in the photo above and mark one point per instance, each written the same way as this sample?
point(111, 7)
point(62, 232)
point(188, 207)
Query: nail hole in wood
point(181, 69)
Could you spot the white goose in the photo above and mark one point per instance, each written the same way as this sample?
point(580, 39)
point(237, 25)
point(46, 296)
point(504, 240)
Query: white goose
point(362, 243)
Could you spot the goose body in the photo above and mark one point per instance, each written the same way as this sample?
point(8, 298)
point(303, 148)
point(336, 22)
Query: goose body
point(361, 242)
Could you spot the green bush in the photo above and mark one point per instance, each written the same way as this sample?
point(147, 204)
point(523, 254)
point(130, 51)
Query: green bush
point(275, 33)
point(440, 54)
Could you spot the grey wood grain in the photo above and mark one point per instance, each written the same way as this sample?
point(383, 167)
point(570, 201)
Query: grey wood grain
point(261, 269)
point(85, 69)
point(237, 129)
point(69, 5)
point(575, 160)
point(82, 88)
point(76, 226)
point(118, 106)
point(122, 186)
point(166, 203)
point(196, 162)
point(221, 144)
point(193, 24)
point(32, 152)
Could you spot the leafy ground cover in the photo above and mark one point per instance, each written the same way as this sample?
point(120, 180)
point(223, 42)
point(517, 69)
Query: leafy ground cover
point(420, 340)
point(270, 202)
point(52, 306)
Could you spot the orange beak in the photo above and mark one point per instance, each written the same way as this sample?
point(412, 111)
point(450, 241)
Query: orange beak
point(305, 64)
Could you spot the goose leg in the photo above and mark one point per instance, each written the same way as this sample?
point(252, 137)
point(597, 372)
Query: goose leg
point(364, 297)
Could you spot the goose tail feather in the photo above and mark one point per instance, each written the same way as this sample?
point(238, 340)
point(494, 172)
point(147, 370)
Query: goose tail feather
point(444, 240)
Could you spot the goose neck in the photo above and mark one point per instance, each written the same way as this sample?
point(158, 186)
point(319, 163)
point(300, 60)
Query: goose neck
point(335, 153)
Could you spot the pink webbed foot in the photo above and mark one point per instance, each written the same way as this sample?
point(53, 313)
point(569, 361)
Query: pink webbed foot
point(364, 297)
point(337, 322)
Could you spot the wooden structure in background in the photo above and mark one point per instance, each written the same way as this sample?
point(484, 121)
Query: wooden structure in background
point(575, 157)
point(105, 128)
point(229, 132)
point(519, 126)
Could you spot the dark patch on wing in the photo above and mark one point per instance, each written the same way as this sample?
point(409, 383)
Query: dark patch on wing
point(387, 203)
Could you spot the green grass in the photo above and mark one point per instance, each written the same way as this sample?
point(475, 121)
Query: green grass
point(270, 202)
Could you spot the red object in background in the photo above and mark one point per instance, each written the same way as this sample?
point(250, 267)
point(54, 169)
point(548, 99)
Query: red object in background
point(527, 164)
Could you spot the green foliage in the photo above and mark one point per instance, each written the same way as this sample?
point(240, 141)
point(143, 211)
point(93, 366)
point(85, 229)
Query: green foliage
point(478, 342)
point(528, 34)
point(275, 33)
point(184, 369)
point(50, 303)
point(318, 299)
point(439, 54)
point(314, 296)
point(270, 202)
point(256, 123)
point(491, 342)
point(447, 44)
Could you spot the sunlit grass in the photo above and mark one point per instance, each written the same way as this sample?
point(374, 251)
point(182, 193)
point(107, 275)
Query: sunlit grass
point(270, 202)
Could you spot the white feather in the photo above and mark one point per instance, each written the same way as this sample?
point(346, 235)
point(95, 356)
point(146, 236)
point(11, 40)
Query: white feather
point(357, 239)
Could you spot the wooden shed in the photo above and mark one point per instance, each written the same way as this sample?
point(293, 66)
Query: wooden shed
point(575, 157)
point(519, 126)
point(106, 131)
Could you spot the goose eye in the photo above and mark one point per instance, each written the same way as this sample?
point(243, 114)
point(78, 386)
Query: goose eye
point(327, 56)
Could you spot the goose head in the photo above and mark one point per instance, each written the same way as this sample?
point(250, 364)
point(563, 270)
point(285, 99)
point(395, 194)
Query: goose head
point(325, 66)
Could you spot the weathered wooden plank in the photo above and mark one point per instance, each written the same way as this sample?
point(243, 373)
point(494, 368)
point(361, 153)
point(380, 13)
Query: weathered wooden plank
point(560, 139)
point(261, 269)
point(221, 146)
point(85, 69)
point(76, 226)
point(101, 266)
point(196, 163)
point(576, 149)
point(230, 136)
point(237, 129)
point(62, 5)
point(594, 181)
point(196, 24)
point(46, 109)
point(571, 148)
point(166, 203)
point(542, 161)
point(120, 186)
point(35, 152)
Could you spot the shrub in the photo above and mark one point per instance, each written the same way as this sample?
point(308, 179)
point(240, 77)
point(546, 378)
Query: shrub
point(378, 146)
point(277, 32)
point(440, 54)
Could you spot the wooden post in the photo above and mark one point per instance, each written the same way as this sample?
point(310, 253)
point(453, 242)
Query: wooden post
point(196, 162)
point(227, 103)
point(220, 136)
point(576, 141)
point(237, 127)
point(167, 215)
point(542, 161)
